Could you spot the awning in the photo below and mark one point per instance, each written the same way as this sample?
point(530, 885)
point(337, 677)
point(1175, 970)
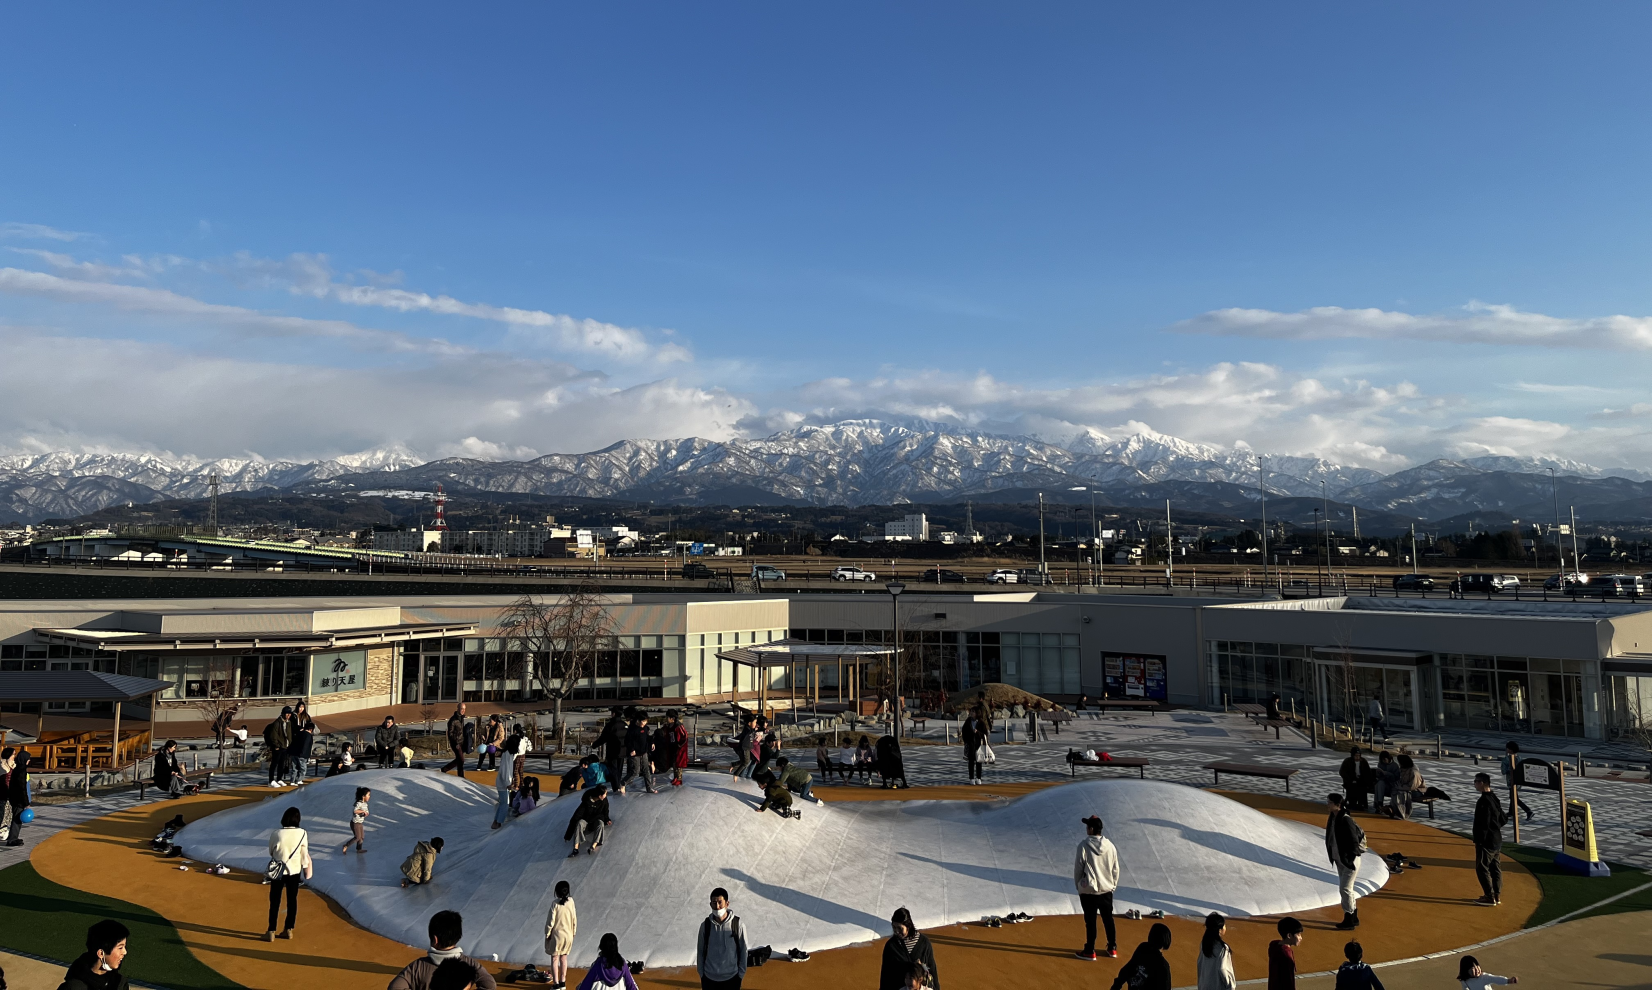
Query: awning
point(795, 652)
point(75, 685)
point(117, 640)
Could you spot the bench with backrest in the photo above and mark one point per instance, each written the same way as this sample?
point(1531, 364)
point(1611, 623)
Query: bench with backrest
point(1253, 770)
point(1075, 759)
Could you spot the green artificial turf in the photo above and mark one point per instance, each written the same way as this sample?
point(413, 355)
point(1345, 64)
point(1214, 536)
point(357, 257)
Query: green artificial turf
point(47, 919)
point(1565, 891)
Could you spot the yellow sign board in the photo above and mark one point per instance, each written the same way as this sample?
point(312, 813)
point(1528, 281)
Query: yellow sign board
point(1577, 840)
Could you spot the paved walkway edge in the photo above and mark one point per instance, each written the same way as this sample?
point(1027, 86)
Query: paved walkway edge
point(1467, 948)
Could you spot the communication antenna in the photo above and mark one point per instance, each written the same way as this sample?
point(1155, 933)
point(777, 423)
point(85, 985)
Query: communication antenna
point(212, 485)
point(441, 510)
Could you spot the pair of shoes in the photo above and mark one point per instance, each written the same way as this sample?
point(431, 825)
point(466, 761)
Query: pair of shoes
point(1086, 954)
point(992, 922)
point(797, 955)
point(1154, 914)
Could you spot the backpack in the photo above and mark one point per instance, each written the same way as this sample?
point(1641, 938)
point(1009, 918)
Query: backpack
point(1360, 845)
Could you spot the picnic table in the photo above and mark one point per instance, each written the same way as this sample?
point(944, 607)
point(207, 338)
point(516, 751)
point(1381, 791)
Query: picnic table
point(1253, 770)
point(1076, 760)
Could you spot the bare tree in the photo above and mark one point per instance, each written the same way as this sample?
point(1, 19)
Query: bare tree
point(560, 637)
point(217, 704)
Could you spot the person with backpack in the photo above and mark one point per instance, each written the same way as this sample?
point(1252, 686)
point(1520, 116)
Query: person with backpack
point(973, 734)
point(384, 742)
point(1472, 977)
point(1215, 956)
point(720, 949)
point(1096, 875)
point(456, 740)
point(98, 968)
point(1355, 974)
point(278, 738)
point(1148, 969)
point(561, 925)
point(445, 929)
point(1344, 844)
point(1489, 820)
point(609, 971)
point(289, 864)
point(1282, 955)
point(907, 948)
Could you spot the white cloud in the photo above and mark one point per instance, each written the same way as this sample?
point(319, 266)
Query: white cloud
point(38, 231)
point(234, 319)
point(94, 271)
point(1476, 323)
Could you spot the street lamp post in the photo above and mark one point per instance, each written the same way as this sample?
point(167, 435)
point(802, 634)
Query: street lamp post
point(895, 588)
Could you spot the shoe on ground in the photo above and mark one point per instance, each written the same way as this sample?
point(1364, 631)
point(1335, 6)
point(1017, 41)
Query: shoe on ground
point(269, 936)
point(286, 934)
point(797, 955)
point(1111, 953)
point(1347, 924)
point(574, 853)
point(1485, 901)
point(497, 825)
point(1086, 954)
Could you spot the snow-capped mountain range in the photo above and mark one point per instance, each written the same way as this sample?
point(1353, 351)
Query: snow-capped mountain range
point(856, 462)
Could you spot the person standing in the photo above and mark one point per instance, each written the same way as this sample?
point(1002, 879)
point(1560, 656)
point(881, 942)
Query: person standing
point(1344, 844)
point(493, 738)
point(768, 746)
point(742, 750)
point(504, 782)
point(1215, 957)
point(1096, 875)
point(1374, 718)
point(720, 949)
point(1488, 842)
point(278, 738)
point(608, 971)
point(1148, 969)
point(456, 740)
point(907, 948)
point(98, 968)
point(639, 757)
point(1282, 955)
point(891, 767)
point(676, 748)
point(973, 734)
point(1510, 766)
point(611, 743)
point(358, 821)
point(298, 756)
point(384, 742)
point(8, 765)
point(290, 849)
point(561, 925)
point(17, 794)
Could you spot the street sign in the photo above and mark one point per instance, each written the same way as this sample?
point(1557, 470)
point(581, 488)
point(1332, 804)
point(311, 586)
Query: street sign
point(697, 548)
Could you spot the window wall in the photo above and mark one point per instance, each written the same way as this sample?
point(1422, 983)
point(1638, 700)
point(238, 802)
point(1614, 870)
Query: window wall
point(1519, 694)
point(949, 660)
point(494, 669)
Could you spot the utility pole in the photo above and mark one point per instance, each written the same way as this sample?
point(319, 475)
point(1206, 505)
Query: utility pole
point(1169, 547)
point(1043, 568)
point(1095, 539)
point(1559, 547)
point(1326, 503)
point(1577, 558)
point(212, 483)
point(1262, 486)
point(1413, 548)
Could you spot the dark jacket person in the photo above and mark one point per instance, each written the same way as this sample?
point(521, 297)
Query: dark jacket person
point(906, 947)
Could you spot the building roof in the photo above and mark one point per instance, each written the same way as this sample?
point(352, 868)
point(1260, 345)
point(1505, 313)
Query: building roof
point(76, 685)
point(120, 639)
point(791, 652)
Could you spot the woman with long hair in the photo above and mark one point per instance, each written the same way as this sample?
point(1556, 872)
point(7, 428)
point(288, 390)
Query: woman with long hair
point(560, 927)
point(907, 948)
point(290, 848)
point(1215, 958)
point(1148, 969)
point(1472, 977)
point(609, 972)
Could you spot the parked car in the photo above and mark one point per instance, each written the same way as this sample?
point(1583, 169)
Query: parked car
point(849, 572)
point(1575, 583)
point(763, 572)
point(940, 575)
point(1002, 576)
point(1618, 586)
point(1413, 582)
point(1496, 584)
point(1036, 577)
point(698, 572)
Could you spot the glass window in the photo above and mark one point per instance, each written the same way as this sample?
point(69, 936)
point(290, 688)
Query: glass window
point(473, 666)
point(630, 663)
point(1069, 639)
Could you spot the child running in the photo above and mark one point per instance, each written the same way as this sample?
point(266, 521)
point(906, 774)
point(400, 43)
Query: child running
point(358, 821)
point(560, 927)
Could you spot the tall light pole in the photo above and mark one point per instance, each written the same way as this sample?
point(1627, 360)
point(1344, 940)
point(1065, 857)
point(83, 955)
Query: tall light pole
point(1043, 568)
point(1262, 486)
point(895, 588)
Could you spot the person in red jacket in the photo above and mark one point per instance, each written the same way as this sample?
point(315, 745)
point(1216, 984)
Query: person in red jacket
point(1282, 955)
point(676, 742)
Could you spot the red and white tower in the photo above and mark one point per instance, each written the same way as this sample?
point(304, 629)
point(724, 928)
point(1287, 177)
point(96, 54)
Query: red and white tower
point(441, 511)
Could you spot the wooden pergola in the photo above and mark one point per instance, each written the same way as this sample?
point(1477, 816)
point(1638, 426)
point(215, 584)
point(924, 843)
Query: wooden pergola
point(796, 656)
point(82, 750)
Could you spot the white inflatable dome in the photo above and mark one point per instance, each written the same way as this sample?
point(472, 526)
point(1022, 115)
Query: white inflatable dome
point(832, 878)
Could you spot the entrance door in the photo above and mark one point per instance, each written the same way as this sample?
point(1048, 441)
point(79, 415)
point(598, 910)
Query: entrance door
point(441, 678)
point(1398, 700)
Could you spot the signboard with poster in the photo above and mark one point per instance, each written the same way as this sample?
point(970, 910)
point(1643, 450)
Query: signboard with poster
point(331, 673)
point(1538, 773)
point(1578, 852)
point(1134, 675)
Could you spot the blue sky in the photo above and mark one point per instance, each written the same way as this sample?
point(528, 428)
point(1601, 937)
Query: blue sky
point(1378, 234)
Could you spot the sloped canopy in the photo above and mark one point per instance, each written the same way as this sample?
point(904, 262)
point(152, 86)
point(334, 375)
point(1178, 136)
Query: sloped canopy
point(75, 685)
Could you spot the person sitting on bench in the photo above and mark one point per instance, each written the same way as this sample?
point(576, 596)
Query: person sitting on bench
point(169, 773)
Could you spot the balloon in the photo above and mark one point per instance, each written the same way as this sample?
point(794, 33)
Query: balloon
point(27, 816)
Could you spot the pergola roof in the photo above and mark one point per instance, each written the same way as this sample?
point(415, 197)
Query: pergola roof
point(793, 652)
point(76, 685)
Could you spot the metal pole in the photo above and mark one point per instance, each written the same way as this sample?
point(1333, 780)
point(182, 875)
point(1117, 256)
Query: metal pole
point(1043, 568)
point(1169, 548)
point(1262, 486)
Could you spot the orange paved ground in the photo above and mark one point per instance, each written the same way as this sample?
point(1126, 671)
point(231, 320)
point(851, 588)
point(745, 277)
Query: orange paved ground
point(221, 919)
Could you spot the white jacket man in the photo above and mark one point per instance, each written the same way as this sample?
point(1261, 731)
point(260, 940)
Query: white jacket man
point(1096, 875)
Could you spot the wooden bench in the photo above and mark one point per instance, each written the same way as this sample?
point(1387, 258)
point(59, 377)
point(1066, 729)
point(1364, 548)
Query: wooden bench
point(1275, 724)
point(1129, 704)
point(1253, 770)
point(1074, 761)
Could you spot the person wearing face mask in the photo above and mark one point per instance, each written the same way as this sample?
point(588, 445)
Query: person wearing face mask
point(98, 968)
point(720, 951)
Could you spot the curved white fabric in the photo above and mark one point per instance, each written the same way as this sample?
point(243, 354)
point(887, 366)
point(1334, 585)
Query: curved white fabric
point(830, 879)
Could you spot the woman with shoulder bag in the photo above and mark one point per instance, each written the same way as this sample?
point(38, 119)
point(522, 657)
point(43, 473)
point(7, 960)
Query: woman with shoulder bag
point(289, 865)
